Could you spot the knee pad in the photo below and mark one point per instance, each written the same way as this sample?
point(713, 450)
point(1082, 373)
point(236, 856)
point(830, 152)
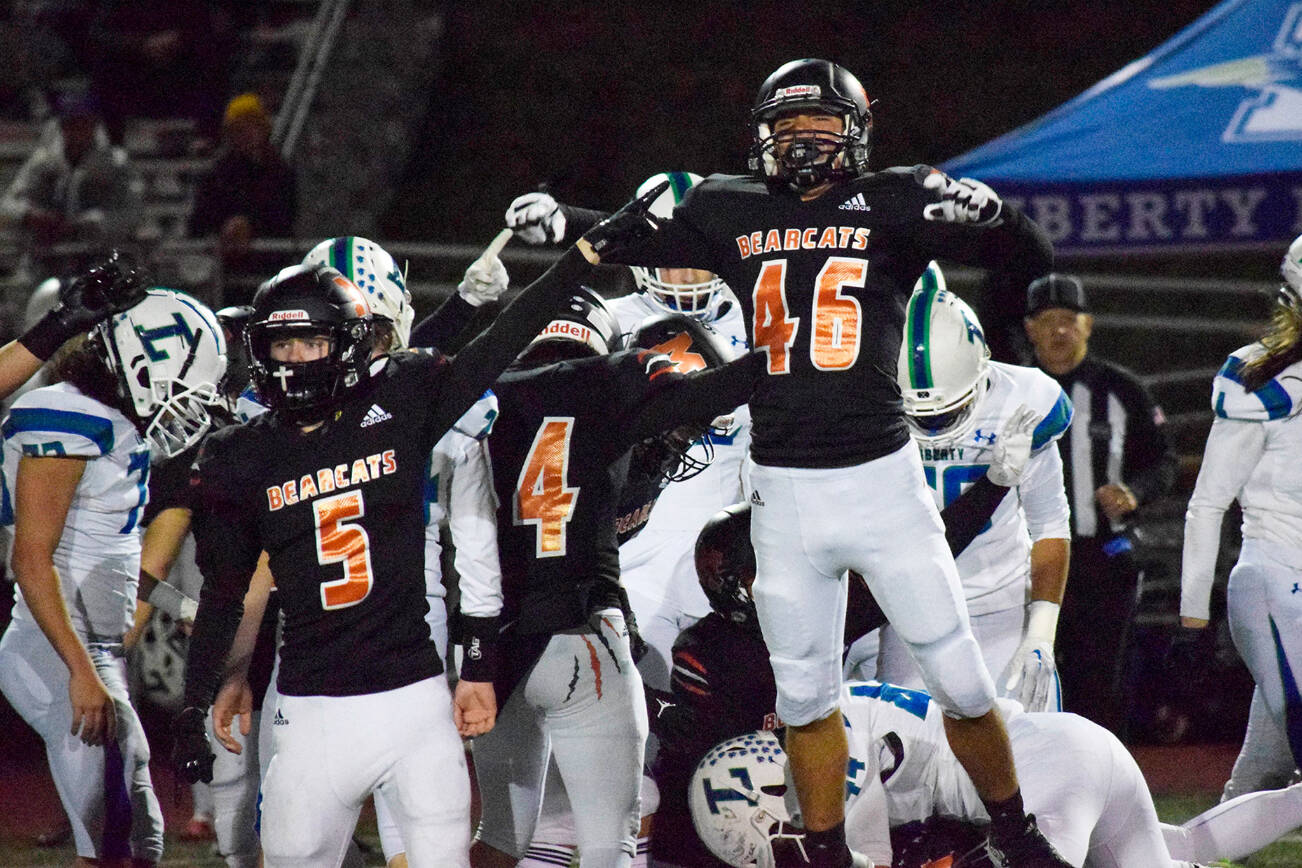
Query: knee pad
point(955, 674)
point(806, 691)
point(650, 796)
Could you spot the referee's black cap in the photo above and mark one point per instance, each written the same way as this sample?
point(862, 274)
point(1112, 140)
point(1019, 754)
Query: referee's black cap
point(1055, 290)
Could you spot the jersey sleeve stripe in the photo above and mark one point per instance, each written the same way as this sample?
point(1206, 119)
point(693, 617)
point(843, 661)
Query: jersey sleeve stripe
point(96, 429)
point(1054, 423)
point(1273, 397)
point(920, 337)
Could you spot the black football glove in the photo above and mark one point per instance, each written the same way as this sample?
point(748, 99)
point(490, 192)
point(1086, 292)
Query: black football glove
point(1191, 655)
point(191, 751)
point(628, 227)
point(111, 287)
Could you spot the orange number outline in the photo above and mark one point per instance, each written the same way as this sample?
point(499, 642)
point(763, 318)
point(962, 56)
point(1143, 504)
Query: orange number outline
point(774, 329)
point(837, 317)
point(542, 496)
point(338, 542)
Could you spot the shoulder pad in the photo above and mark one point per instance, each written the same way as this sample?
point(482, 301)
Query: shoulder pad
point(1275, 400)
point(61, 421)
point(477, 422)
point(1042, 394)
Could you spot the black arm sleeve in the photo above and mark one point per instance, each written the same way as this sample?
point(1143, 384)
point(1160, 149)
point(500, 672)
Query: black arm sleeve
point(1149, 464)
point(578, 221)
point(443, 325)
point(482, 361)
point(227, 548)
point(966, 515)
point(699, 396)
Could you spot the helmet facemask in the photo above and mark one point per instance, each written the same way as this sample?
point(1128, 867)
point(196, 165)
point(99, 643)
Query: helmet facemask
point(806, 158)
point(306, 391)
point(693, 299)
point(168, 354)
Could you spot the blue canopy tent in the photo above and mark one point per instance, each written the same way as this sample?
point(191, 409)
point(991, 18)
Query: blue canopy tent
point(1196, 145)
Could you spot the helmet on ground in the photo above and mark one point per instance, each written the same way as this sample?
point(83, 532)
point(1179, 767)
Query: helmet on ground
point(168, 355)
point(661, 285)
point(725, 565)
point(375, 273)
point(692, 346)
point(737, 802)
point(583, 326)
point(943, 359)
point(308, 300)
point(806, 158)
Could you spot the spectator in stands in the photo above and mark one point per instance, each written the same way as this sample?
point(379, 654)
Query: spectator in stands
point(1115, 458)
point(250, 192)
point(75, 186)
point(162, 60)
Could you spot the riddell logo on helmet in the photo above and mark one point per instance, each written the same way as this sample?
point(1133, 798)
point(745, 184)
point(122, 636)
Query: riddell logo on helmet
point(286, 315)
point(569, 330)
point(799, 91)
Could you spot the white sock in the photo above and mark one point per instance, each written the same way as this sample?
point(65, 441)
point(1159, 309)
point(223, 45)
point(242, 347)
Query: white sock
point(1237, 828)
point(542, 854)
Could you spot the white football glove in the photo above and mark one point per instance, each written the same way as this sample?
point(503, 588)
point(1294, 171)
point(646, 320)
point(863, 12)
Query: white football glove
point(536, 218)
point(1030, 675)
point(1012, 447)
point(484, 281)
point(966, 200)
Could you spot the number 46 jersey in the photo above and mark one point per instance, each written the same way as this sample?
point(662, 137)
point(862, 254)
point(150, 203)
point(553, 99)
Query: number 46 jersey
point(823, 285)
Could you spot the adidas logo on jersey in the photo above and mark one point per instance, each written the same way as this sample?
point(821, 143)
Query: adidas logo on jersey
point(375, 415)
point(856, 203)
point(755, 498)
point(280, 719)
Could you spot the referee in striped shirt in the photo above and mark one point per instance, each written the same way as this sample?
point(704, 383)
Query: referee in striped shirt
point(1115, 458)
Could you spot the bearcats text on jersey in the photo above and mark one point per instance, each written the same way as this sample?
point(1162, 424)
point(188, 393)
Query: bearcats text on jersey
point(329, 479)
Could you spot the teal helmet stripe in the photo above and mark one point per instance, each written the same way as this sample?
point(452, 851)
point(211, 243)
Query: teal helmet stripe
point(919, 332)
point(341, 256)
point(679, 183)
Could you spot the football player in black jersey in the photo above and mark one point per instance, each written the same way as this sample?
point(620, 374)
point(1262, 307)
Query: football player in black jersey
point(570, 411)
point(822, 254)
point(330, 483)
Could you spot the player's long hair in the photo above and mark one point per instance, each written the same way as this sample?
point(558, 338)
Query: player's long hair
point(81, 363)
point(1283, 343)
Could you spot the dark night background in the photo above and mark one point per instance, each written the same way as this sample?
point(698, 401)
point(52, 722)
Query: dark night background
point(592, 98)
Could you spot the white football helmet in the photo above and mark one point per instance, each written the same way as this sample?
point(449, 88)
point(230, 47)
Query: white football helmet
point(1290, 294)
point(369, 265)
point(737, 800)
point(169, 354)
point(693, 299)
point(943, 359)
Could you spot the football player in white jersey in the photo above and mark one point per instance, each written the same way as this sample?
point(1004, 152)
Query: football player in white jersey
point(76, 460)
point(1084, 788)
point(1254, 455)
point(959, 405)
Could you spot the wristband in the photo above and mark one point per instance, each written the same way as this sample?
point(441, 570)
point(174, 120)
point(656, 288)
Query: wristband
point(479, 646)
point(44, 339)
point(1042, 621)
point(171, 601)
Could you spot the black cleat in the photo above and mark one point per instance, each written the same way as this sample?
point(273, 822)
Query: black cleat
point(1026, 849)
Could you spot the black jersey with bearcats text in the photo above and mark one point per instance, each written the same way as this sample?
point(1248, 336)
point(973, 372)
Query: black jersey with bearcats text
point(557, 450)
point(823, 285)
point(333, 508)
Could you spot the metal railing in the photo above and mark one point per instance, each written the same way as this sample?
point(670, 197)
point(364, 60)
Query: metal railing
point(313, 56)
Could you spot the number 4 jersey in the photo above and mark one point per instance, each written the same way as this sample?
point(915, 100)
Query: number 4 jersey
point(823, 285)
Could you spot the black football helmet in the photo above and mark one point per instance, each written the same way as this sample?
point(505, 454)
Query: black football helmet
point(725, 565)
point(691, 345)
point(234, 320)
point(584, 326)
point(806, 158)
point(312, 299)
